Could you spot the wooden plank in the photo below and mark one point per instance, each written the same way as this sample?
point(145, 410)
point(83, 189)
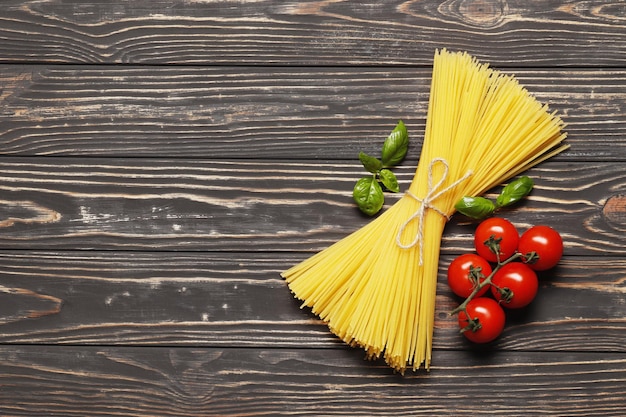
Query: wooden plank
point(147, 209)
point(239, 299)
point(165, 204)
point(105, 381)
point(269, 113)
point(517, 32)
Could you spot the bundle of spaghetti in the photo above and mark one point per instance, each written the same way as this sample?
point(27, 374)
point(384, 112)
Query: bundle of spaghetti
point(376, 288)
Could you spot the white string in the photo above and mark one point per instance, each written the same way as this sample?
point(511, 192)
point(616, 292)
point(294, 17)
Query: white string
point(426, 203)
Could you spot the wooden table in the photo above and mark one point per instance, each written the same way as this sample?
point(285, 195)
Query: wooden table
point(163, 161)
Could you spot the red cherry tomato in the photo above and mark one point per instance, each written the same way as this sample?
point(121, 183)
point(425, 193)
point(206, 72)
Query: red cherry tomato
point(490, 317)
point(546, 243)
point(515, 285)
point(499, 228)
point(460, 277)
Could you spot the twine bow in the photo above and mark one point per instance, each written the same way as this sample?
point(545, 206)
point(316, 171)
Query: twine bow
point(426, 203)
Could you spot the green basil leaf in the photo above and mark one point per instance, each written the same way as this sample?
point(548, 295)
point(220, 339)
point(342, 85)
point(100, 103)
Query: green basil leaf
point(370, 163)
point(368, 195)
point(514, 191)
point(389, 180)
point(475, 207)
point(396, 145)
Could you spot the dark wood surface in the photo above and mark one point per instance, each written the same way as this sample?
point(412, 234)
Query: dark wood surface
point(161, 162)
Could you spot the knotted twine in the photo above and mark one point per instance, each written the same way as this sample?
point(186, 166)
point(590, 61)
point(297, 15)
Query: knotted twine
point(426, 203)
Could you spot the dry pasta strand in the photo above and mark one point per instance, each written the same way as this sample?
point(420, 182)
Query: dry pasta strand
point(376, 287)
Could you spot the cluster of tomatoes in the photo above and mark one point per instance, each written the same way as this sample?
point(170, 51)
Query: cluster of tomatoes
point(502, 273)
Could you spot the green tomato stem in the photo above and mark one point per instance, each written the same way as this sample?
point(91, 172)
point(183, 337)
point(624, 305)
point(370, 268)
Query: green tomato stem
point(485, 282)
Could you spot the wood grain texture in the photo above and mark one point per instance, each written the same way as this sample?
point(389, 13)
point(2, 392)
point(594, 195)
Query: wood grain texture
point(548, 33)
point(239, 299)
point(270, 113)
point(160, 204)
point(257, 382)
point(161, 162)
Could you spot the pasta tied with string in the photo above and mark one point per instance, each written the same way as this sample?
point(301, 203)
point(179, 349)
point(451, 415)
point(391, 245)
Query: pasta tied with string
point(378, 293)
point(427, 203)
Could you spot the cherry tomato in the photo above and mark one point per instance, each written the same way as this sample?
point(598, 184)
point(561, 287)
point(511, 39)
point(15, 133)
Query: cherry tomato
point(515, 285)
point(499, 228)
point(546, 243)
point(460, 277)
point(490, 317)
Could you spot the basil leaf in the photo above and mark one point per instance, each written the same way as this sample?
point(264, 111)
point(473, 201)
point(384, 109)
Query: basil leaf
point(396, 145)
point(370, 163)
point(475, 207)
point(389, 180)
point(514, 191)
point(368, 195)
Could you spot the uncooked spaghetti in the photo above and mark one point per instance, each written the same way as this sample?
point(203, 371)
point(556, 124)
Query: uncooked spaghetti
point(376, 287)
